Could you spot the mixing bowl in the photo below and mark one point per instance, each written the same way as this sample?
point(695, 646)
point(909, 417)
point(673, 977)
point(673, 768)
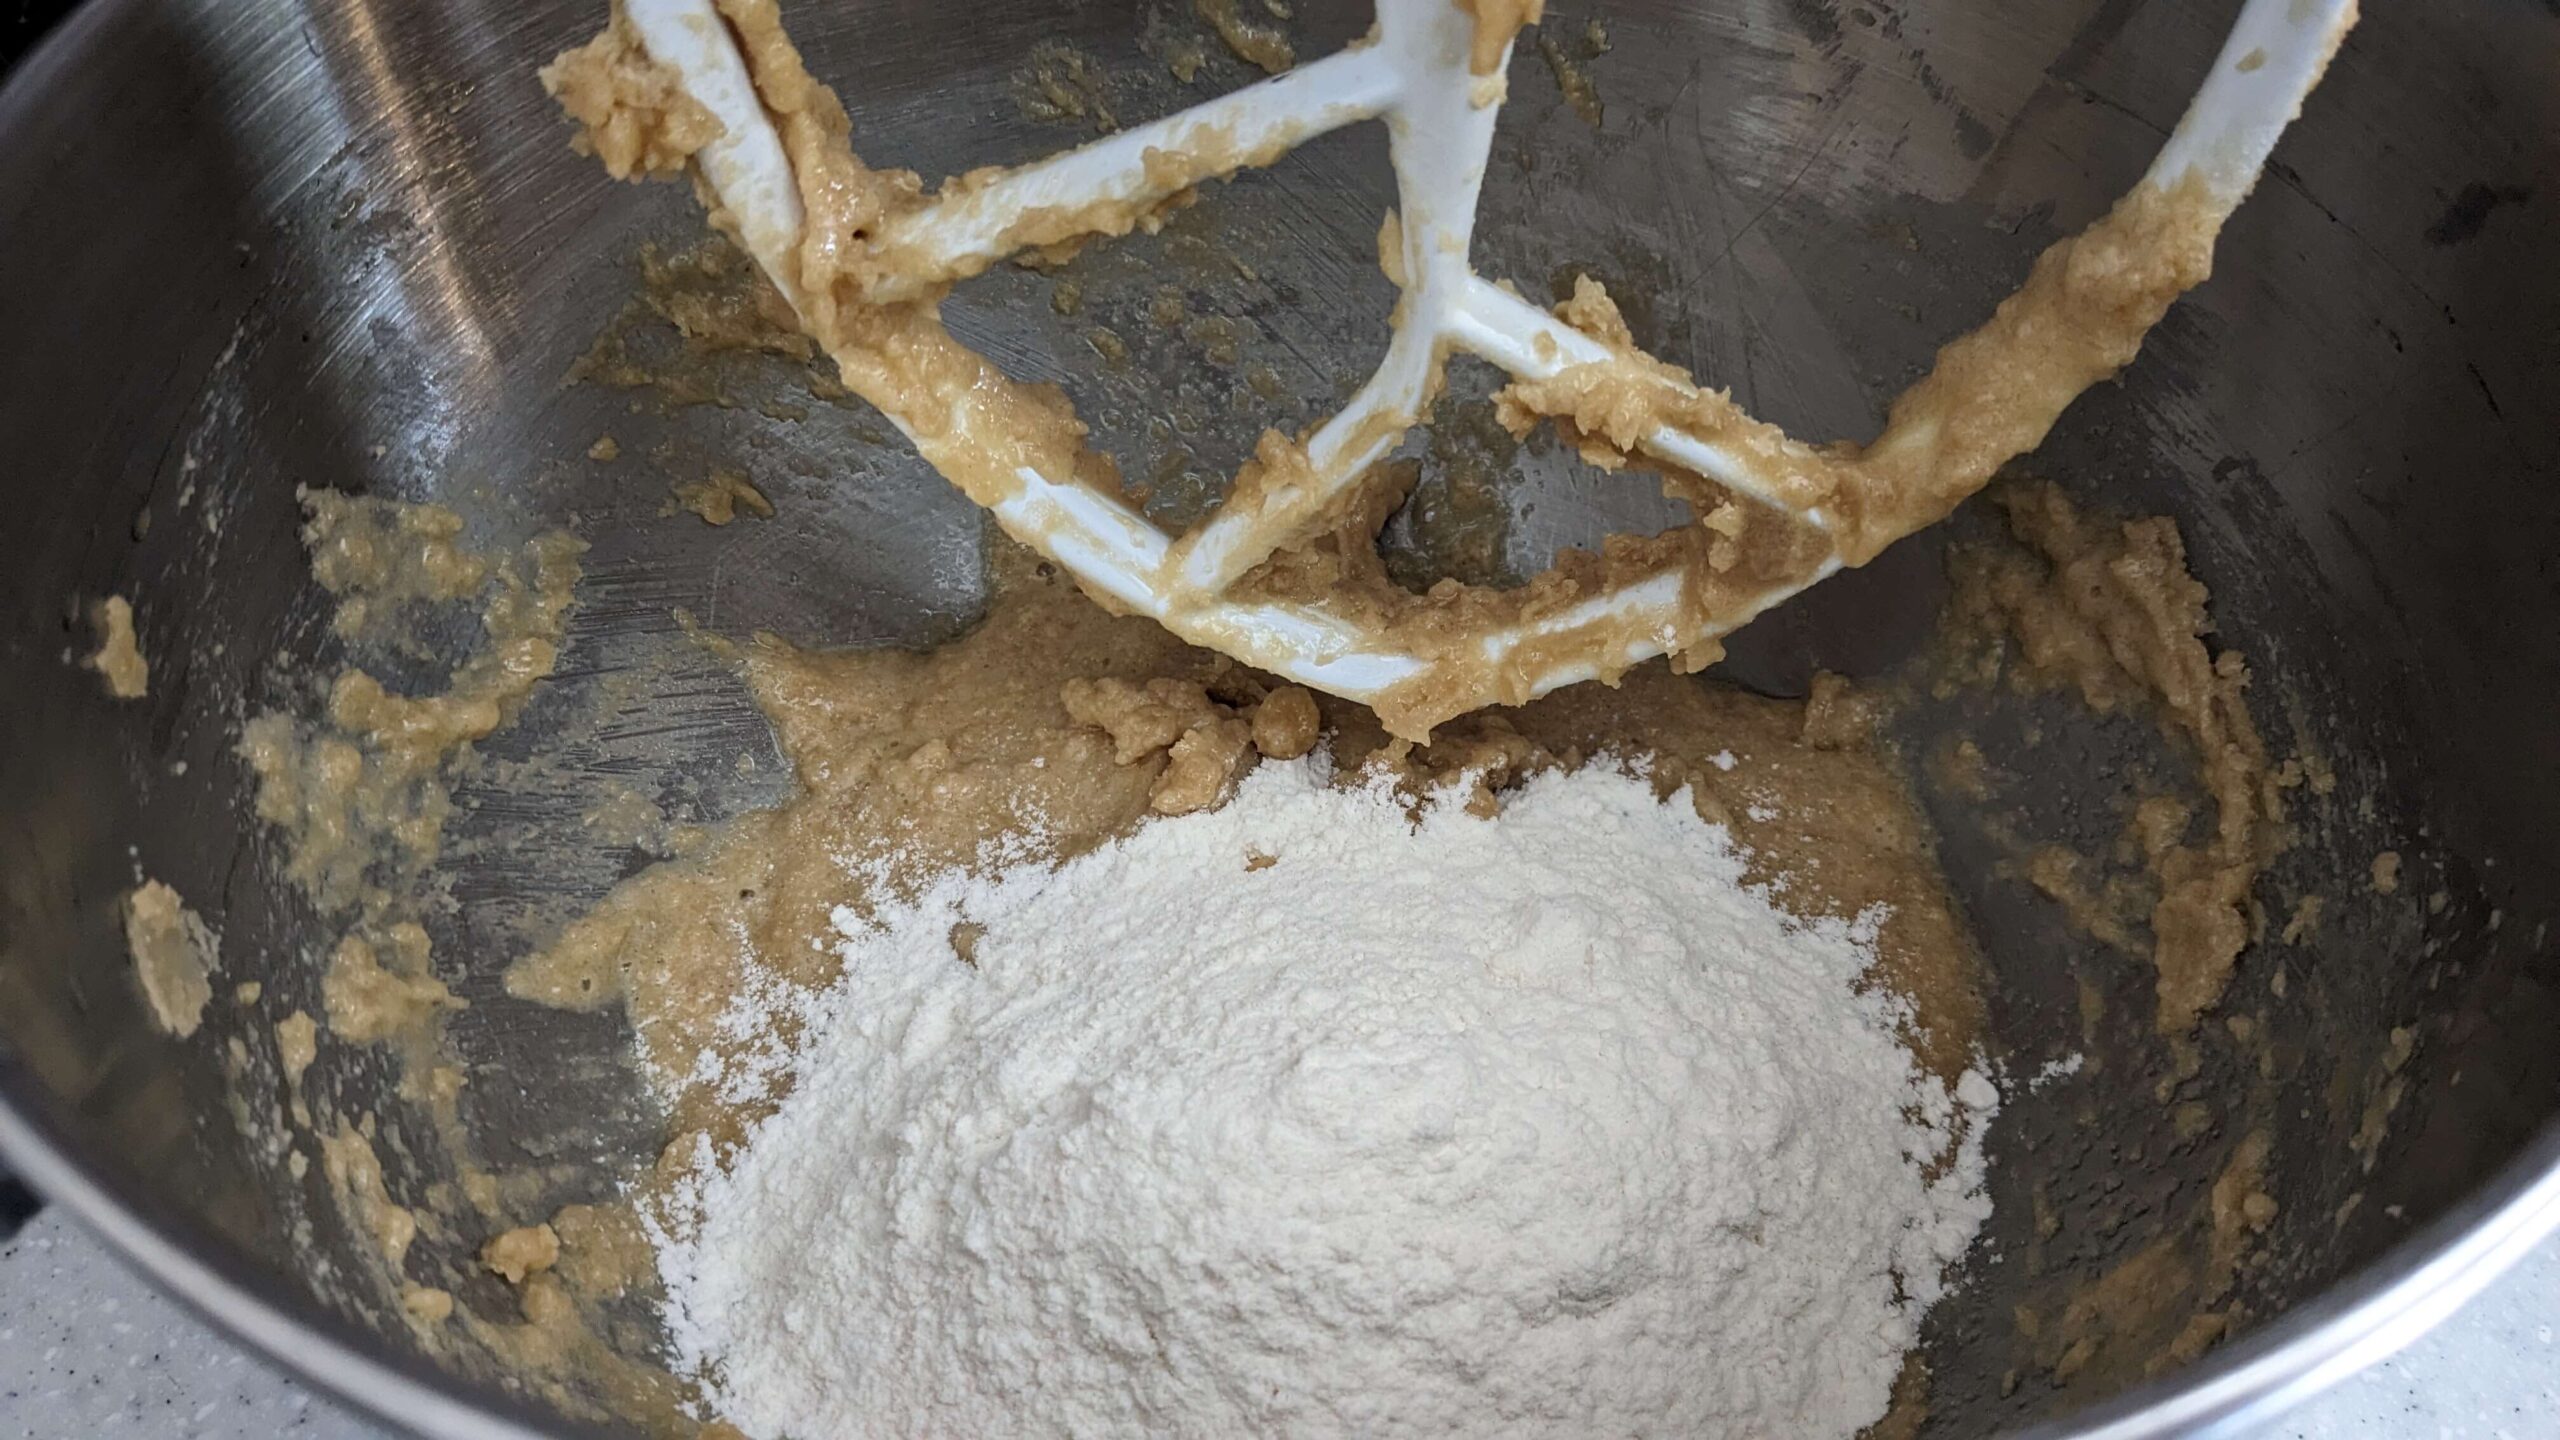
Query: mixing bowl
point(251, 247)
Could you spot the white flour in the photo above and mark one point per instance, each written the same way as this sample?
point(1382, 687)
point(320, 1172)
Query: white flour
point(1542, 1125)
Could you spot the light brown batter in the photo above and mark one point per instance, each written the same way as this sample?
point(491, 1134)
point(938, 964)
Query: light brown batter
point(354, 1173)
point(634, 114)
point(1992, 395)
point(359, 796)
point(174, 954)
point(118, 658)
point(1570, 67)
point(2169, 1301)
point(1254, 40)
point(1062, 85)
point(1497, 22)
point(721, 498)
point(2384, 875)
point(2109, 609)
point(522, 1253)
point(368, 1000)
point(1054, 726)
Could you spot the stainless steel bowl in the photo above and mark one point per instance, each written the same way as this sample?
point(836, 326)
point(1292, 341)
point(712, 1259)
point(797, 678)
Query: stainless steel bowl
point(254, 245)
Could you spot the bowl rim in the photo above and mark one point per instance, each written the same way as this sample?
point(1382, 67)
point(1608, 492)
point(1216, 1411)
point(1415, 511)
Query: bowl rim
point(2233, 1391)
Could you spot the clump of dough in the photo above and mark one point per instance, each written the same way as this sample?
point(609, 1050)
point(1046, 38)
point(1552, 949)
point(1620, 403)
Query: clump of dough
point(1837, 715)
point(118, 659)
point(719, 499)
point(1286, 724)
point(380, 557)
point(2386, 872)
point(1202, 768)
point(1484, 750)
point(174, 953)
point(1205, 746)
point(369, 1000)
point(1141, 719)
point(1497, 23)
point(297, 1045)
point(522, 1252)
point(426, 1304)
point(633, 113)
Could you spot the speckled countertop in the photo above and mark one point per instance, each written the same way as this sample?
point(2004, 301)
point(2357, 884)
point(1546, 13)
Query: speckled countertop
point(89, 1350)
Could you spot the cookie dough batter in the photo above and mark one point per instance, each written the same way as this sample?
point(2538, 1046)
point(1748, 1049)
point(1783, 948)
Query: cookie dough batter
point(873, 307)
point(118, 658)
point(1054, 725)
point(174, 954)
point(1049, 728)
point(721, 499)
point(2108, 609)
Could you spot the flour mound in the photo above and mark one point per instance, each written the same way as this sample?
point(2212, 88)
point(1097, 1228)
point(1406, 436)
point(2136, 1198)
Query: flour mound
point(1306, 1117)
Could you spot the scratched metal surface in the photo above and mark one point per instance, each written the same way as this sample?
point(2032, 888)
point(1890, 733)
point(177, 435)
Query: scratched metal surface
point(343, 244)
